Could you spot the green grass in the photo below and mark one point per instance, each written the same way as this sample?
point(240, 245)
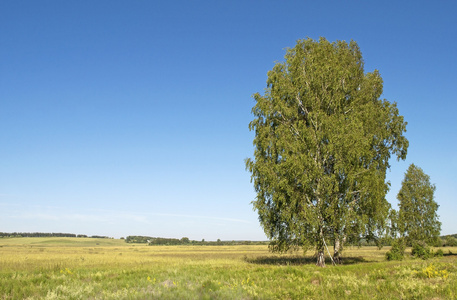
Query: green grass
point(75, 268)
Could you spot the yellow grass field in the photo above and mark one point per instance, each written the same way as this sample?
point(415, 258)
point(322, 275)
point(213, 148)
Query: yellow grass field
point(87, 268)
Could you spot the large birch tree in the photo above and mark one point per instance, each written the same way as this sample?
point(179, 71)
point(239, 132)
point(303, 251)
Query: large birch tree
point(323, 140)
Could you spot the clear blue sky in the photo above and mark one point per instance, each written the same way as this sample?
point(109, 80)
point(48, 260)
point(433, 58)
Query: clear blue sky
point(131, 117)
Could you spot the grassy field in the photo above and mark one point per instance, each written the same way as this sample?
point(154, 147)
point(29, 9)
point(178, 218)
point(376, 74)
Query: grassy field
point(86, 268)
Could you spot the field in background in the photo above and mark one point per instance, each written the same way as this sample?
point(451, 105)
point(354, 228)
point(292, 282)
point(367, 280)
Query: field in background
point(87, 268)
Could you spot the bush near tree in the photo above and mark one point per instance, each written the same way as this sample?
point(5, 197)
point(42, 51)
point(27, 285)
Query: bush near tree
point(421, 250)
point(397, 252)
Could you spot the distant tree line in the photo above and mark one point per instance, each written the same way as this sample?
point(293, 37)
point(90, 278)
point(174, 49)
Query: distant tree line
point(155, 241)
point(137, 239)
point(449, 240)
point(46, 234)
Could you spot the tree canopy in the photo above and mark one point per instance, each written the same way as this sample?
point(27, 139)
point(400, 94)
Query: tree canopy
point(323, 140)
point(418, 218)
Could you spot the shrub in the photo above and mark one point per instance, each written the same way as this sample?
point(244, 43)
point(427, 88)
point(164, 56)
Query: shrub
point(421, 250)
point(439, 253)
point(397, 251)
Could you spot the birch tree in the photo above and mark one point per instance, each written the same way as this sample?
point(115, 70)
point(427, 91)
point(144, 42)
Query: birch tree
point(418, 218)
point(323, 140)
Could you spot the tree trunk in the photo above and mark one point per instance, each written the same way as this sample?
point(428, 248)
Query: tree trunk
point(336, 251)
point(320, 249)
point(320, 258)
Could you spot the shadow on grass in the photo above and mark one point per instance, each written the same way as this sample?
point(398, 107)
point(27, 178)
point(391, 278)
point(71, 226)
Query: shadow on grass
point(449, 253)
point(300, 260)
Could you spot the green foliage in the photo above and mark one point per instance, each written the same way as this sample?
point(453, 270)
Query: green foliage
point(418, 219)
point(323, 139)
point(421, 250)
point(397, 252)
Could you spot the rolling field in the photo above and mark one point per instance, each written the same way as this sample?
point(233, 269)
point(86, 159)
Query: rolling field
point(87, 268)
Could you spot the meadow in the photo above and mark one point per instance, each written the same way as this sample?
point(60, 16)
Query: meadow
point(87, 268)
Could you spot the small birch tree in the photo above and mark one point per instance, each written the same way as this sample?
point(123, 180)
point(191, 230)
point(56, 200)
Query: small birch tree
point(418, 218)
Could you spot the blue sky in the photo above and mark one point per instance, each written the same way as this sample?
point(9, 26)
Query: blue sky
point(131, 117)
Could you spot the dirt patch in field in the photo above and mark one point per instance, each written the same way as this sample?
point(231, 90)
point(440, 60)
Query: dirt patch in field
point(315, 282)
point(168, 283)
